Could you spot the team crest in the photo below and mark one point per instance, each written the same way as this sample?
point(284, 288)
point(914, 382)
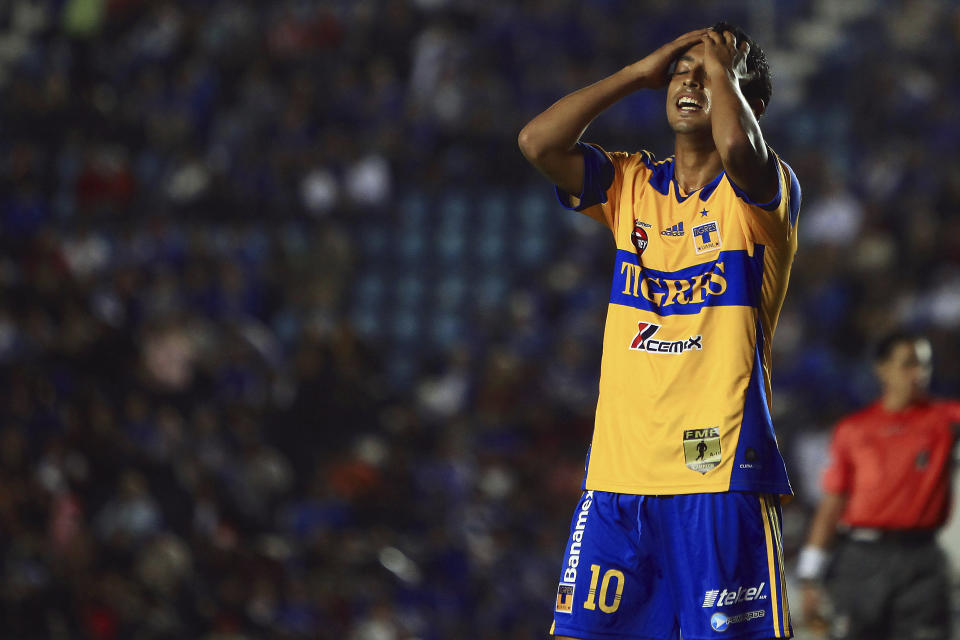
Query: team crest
point(706, 237)
point(639, 237)
point(564, 598)
point(701, 448)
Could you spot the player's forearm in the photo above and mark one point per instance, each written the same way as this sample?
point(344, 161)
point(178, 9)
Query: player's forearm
point(736, 132)
point(812, 563)
point(548, 141)
point(561, 125)
point(823, 529)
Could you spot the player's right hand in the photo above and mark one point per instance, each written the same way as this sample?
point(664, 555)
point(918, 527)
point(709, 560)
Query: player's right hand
point(812, 605)
point(652, 70)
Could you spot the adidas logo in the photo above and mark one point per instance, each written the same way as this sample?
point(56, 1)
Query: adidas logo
point(675, 230)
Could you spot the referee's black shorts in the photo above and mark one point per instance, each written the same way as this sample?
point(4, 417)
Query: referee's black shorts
point(893, 587)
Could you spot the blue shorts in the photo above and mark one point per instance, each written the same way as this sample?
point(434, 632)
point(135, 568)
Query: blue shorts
point(696, 567)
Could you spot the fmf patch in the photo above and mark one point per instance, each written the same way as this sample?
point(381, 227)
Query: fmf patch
point(706, 237)
point(639, 236)
point(564, 598)
point(701, 448)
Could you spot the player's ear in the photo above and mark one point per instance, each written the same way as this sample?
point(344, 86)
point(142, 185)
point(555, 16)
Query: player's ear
point(757, 106)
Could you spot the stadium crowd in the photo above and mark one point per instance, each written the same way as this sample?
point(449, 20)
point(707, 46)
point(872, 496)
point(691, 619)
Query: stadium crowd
point(214, 423)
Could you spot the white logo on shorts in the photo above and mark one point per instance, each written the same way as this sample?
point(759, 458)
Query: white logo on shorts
point(573, 558)
point(726, 597)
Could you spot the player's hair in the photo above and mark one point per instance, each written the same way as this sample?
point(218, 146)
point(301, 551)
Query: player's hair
point(759, 86)
point(885, 345)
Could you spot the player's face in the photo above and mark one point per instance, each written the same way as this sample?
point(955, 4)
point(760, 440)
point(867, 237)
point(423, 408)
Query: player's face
point(688, 96)
point(907, 371)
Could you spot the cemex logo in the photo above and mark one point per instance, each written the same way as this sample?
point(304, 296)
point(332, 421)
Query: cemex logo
point(644, 341)
point(716, 597)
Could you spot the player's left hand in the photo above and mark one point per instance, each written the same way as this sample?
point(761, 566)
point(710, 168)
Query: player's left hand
point(722, 55)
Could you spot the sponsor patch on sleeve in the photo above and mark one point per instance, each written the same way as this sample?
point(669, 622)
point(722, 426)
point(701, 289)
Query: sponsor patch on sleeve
point(564, 598)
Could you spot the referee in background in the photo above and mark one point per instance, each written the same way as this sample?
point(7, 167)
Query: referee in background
point(886, 493)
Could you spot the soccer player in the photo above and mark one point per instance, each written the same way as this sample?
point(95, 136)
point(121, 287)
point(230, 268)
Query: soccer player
point(678, 529)
point(887, 486)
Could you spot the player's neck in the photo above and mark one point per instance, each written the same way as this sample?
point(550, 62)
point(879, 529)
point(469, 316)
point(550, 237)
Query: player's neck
point(697, 162)
point(894, 402)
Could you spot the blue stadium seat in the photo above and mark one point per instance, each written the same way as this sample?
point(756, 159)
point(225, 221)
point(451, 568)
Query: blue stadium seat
point(405, 325)
point(409, 292)
point(450, 292)
point(445, 330)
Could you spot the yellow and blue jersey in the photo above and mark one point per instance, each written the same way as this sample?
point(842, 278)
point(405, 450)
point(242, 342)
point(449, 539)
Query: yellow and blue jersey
point(698, 283)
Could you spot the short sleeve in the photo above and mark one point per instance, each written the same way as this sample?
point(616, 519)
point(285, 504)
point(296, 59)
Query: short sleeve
point(774, 222)
point(603, 179)
point(598, 175)
point(838, 476)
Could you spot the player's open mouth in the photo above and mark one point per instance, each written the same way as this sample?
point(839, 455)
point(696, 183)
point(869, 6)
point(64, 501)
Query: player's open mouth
point(689, 104)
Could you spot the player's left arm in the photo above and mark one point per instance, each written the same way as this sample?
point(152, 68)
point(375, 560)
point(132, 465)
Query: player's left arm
point(747, 160)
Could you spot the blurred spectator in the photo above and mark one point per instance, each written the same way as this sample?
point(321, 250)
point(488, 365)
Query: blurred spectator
point(130, 515)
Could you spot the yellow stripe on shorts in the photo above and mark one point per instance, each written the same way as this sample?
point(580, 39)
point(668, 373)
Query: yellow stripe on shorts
point(778, 537)
point(768, 536)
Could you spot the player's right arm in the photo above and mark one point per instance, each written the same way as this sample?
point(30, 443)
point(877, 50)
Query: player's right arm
point(549, 140)
point(837, 483)
point(825, 520)
point(813, 556)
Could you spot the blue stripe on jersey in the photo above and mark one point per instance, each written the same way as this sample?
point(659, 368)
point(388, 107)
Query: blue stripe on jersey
point(660, 176)
point(766, 206)
point(733, 278)
point(707, 190)
point(757, 454)
point(661, 179)
point(795, 195)
point(598, 175)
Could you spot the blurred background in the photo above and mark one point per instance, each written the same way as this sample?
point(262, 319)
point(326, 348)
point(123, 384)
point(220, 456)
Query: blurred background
point(293, 343)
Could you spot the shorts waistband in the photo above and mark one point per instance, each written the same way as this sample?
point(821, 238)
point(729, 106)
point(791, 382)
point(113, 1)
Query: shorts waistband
point(901, 536)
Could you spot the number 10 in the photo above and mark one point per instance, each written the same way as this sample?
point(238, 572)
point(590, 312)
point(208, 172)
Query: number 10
point(591, 602)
